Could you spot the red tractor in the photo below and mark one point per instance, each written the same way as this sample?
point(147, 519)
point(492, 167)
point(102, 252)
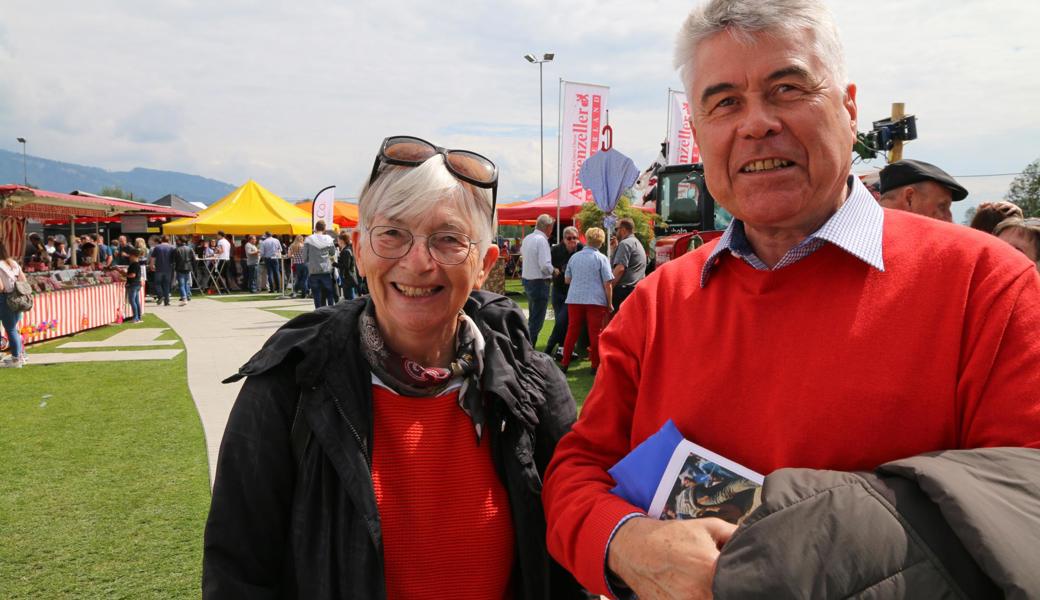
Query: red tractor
point(691, 216)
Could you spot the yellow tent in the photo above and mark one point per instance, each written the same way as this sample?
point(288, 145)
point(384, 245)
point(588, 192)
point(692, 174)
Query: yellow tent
point(251, 209)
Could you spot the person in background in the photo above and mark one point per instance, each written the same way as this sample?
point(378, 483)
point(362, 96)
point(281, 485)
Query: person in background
point(318, 252)
point(270, 254)
point(989, 214)
point(10, 272)
point(59, 256)
point(453, 414)
point(345, 264)
point(561, 253)
point(133, 284)
point(103, 251)
point(160, 264)
point(536, 273)
point(629, 261)
point(49, 245)
point(1023, 235)
point(122, 254)
point(252, 254)
point(921, 188)
point(589, 301)
point(32, 248)
point(184, 266)
point(143, 253)
point(298, 264)
point(88, 252)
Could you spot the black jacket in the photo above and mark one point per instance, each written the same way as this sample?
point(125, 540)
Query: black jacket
point(281, 530)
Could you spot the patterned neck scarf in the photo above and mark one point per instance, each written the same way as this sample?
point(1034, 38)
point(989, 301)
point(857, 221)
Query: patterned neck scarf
point(407, 377)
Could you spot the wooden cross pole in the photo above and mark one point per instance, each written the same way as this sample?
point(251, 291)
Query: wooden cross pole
point(896, 153)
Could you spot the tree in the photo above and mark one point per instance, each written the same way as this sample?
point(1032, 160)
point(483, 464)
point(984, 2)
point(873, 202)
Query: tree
point(113, 191)
point(1025, 190)
point(591, 215)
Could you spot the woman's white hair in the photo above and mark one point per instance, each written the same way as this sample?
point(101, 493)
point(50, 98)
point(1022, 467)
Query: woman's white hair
point(743, 18)
point(409, 193)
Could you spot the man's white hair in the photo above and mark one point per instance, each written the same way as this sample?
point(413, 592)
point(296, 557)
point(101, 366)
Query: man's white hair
point(409, 193)
point(743, 18)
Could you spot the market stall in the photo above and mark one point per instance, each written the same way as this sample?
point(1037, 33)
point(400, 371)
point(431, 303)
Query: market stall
point(250, 209)
point(69, 300)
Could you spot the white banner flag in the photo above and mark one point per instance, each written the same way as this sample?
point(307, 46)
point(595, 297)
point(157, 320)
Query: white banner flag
point(324, 207)
point(583, 110)
point(682, 149)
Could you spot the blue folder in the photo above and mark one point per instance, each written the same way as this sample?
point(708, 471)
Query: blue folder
point(639, 473)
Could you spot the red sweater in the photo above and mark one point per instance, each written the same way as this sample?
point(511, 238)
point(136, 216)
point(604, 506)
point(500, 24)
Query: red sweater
point(447, 527)
point(828, 363)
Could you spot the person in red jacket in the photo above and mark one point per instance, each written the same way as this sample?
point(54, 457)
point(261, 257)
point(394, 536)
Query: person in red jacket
point(820, 331)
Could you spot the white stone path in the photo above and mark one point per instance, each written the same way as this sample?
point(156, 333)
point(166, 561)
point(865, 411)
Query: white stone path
point(219, 337)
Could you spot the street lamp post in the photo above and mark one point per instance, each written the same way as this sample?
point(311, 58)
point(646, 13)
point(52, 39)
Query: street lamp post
point(25, 171)
point(547, 57)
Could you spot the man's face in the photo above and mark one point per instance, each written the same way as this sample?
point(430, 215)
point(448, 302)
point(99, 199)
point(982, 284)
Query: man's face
point(931, 199)
point(775, 131)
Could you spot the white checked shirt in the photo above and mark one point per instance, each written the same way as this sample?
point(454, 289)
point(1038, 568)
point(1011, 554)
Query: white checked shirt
point(855, 228)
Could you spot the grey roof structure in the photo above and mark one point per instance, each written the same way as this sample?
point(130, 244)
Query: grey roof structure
point(175, 201)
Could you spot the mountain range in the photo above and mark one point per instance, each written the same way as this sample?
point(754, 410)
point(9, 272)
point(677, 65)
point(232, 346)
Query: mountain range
point(145, 184)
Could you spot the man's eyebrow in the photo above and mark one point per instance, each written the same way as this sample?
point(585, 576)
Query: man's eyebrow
point(793, 70)
point(718, 88)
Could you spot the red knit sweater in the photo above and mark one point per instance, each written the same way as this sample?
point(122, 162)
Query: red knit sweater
point(447, 529)
point(828, 363)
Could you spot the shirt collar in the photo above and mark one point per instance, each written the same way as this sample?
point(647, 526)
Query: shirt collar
point(856, 228)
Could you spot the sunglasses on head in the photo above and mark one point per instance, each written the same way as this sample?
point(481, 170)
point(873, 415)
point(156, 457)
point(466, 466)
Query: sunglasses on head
point(408, 151)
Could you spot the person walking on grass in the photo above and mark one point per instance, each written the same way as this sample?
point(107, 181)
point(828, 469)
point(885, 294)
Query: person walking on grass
point(10, 272)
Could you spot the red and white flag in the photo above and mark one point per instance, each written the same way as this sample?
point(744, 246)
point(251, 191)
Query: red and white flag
point(324, 207)
point(682, 149)
point(583, 110)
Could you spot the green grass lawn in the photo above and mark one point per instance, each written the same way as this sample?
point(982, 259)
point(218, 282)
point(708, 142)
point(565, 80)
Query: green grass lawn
point(579, 377)
point(105, 485)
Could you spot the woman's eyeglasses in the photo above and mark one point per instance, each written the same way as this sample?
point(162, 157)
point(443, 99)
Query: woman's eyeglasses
point(408, 151)
point(446, 247)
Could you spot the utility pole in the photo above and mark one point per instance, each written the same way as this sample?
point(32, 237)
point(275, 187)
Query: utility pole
point(25, 171)
point(898, 112)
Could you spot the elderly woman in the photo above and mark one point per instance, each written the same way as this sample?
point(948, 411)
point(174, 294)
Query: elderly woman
point(589, 296)
point(1023, 234)
point(392, 446)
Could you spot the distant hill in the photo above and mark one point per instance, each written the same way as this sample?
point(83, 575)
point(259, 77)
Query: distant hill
point(145, 184)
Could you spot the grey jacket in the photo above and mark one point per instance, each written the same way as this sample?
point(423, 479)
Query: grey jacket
point(318, 250)
point(951, 524)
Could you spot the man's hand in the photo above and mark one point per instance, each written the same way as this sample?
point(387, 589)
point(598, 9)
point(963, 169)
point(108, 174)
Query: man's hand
point(668, 559)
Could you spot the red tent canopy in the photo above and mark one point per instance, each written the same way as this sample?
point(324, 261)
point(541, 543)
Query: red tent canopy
point(525, 213)
point(25, 202)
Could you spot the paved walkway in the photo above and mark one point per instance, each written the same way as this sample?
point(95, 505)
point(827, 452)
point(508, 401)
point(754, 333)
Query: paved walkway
point(219, 337)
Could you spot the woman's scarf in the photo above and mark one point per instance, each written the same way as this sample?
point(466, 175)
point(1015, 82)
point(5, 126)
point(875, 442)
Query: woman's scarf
point(407, 377)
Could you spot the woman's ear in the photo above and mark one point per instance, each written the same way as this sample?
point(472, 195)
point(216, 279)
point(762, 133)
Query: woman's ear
point(487, 264)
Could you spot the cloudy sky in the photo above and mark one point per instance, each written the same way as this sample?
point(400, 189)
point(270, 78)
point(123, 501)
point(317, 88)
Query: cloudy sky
point(299, 95)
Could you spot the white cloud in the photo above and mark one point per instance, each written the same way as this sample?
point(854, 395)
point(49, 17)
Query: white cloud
point(299, 96)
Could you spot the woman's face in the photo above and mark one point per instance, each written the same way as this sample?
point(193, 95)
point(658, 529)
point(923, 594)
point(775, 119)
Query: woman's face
point(415, 296)
point(1023, 240)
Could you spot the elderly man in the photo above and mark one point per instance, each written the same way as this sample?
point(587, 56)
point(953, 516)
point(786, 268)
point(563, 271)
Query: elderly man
point(537, 271)
point(804, 336)
point(628, 262)
point(921, 188)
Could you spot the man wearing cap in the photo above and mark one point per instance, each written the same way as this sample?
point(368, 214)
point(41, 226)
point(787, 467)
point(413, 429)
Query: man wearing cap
point(537, 273)
point(921, 188)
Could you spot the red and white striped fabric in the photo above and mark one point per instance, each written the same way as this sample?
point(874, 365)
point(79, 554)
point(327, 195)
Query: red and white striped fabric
point(65, 312)
point(12, 235)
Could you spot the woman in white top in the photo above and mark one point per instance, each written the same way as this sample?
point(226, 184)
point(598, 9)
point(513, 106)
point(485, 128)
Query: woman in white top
point(10, 272)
